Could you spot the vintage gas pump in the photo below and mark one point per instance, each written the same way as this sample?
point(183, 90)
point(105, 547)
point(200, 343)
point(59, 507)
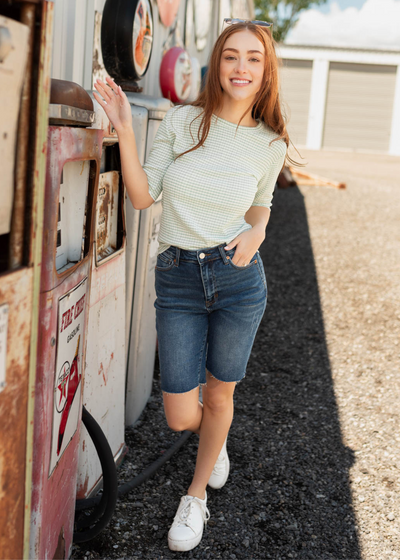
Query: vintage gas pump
point(147, 113)
point(122, 44)
point(73, 165)
point(104, 388)
point(24, 97)
point(123, 38)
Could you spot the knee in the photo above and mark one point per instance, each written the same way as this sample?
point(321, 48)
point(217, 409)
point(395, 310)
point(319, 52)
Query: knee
point(217, 402)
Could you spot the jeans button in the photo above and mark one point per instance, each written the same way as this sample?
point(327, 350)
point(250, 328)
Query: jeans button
point(202, 255)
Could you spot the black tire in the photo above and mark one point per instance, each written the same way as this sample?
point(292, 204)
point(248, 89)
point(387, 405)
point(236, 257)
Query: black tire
point(116, 39)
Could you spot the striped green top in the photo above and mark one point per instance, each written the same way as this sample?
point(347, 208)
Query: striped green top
point(206, 193)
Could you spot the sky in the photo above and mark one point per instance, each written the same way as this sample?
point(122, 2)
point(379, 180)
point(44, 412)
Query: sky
point(342, 5)
point(369, 24)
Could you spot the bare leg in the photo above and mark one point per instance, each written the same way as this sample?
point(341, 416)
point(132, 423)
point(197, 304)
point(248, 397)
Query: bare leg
point(211, 420)
point(215, 424)
point(183, 411)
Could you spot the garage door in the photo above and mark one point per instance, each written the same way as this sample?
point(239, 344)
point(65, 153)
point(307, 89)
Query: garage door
point(296, 89)
point(359, 106)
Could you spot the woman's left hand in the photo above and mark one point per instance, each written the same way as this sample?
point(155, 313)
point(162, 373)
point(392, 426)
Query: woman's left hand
point(247, 244)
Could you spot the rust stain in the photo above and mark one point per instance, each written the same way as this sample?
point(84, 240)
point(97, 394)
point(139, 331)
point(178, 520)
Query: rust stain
point(103, 373)
point(16, 292)
point(103, 216)
point(97, 67)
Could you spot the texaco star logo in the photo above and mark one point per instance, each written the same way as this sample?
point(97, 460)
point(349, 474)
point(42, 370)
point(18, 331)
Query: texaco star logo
point(62, 386)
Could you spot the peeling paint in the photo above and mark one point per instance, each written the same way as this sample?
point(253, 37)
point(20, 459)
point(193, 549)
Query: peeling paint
point(53, 497)
point(104, 377)
point(16, 292)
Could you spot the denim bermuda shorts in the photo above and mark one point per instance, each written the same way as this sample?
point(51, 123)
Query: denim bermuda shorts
point(208, 311)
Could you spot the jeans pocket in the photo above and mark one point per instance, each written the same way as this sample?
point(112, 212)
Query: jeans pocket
point(230, 255)
point(165, 261)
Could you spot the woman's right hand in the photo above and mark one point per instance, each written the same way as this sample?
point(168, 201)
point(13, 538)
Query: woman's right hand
point(115, 104)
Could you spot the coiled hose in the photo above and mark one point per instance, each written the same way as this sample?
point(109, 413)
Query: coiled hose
point(87, 527)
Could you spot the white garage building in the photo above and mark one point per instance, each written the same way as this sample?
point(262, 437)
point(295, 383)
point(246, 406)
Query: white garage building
point(341, 98)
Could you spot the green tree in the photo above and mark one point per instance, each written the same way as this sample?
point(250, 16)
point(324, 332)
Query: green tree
point(282, 13)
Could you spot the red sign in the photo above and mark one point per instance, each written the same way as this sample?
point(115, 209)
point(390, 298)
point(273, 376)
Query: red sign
point(168, 10)
point(176, 74)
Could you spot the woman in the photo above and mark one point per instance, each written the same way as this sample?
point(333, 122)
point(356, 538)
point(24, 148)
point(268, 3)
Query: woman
point(216, 161)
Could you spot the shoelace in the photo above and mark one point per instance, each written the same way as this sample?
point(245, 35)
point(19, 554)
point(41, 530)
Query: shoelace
point(185, 511)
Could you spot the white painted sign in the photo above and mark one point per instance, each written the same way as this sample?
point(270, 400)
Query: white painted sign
point(67, 400)
point(13, 56)
point(3, 344)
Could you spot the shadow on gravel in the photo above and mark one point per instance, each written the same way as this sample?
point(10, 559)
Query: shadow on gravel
point(294, 482)
point(288, 494)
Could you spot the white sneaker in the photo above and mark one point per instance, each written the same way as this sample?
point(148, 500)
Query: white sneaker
point(221, 469)
point(187, 528)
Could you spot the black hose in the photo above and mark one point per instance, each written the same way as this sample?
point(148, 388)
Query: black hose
point(108, 500)
point(140, 478)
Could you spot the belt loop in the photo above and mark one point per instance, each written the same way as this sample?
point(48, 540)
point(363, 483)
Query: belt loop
point(223, 252)
point(177, 255)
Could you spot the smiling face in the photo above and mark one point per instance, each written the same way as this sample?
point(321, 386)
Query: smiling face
point(242, 66)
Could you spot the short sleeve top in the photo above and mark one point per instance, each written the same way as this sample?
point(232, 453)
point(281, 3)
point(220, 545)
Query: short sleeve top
point(206, 193)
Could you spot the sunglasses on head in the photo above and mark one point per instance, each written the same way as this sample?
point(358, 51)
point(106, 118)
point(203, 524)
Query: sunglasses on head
point(231, 21)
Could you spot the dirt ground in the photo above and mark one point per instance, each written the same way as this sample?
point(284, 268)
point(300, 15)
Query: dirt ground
point(315, 442)
point(355, 238)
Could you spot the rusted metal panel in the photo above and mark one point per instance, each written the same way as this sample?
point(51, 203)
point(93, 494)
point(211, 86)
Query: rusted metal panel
point(63, 306)
point(16, 295)
point(34, 228)
point(65, 145)
point(18, 289)
point(104, 392)
point(28, 13)
point(98, 68)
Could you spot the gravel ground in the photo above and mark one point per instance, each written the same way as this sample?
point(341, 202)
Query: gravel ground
point(314, 444)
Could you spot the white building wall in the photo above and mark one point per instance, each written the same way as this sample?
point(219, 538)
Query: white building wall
point(321, 57)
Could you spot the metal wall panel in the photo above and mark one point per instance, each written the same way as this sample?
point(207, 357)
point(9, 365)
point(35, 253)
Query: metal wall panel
point(359, 106)
point(69, 39)
point(15, 331)
point(296, 88)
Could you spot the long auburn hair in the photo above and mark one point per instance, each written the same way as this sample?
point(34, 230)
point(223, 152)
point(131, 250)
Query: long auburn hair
point(266, 106)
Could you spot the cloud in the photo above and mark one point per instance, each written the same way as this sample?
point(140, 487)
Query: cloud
point(374, 26)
